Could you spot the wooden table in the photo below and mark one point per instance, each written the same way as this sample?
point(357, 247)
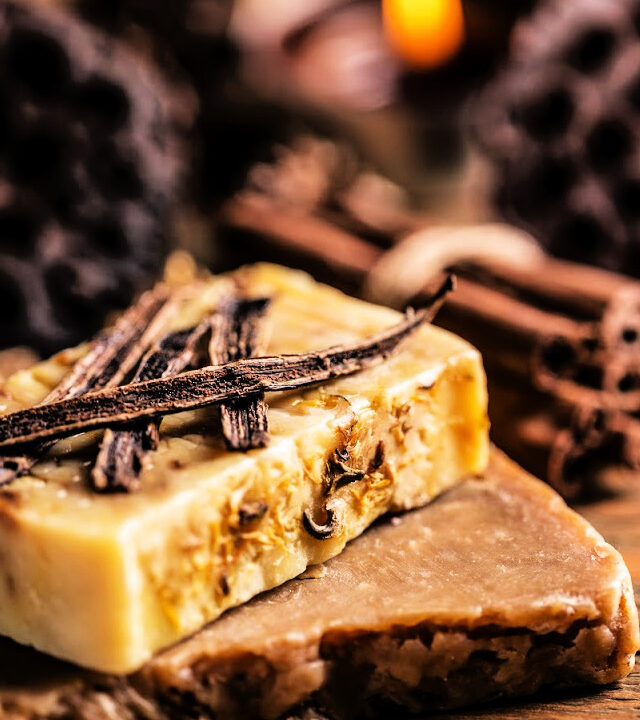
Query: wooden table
point(618, 519)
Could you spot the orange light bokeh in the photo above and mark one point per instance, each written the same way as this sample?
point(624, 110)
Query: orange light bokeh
point(424, 33)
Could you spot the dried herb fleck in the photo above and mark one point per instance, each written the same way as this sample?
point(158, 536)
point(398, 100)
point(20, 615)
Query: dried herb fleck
point(339, 473)
point(251, 512)
point(324, 530)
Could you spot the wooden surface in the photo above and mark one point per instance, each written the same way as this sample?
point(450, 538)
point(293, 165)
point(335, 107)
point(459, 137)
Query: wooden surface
point(618, 702)
point(618, 519)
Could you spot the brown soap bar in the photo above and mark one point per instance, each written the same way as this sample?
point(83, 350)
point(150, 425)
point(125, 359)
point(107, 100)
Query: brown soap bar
point(495, 589)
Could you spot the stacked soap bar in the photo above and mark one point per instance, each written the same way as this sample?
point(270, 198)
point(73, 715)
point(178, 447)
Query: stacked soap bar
point(494, 589)
point(107, 580)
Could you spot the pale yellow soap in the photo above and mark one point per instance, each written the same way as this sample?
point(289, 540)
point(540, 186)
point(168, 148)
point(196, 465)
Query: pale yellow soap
point(105, 581)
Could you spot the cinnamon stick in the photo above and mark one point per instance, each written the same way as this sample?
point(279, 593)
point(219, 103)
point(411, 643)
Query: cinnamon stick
point(111, 357)
point(548, 329)
point(267, 231)
point(122, 452)
point(237, 333)
point(564, 287)
point(316, 245)
point(200, 388)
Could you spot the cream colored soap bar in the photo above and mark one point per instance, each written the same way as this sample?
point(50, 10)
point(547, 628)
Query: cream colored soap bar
point(105, 581)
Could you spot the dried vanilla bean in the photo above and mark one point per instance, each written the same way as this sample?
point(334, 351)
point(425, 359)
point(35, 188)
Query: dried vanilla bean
point(112, 355)
point(245, 424)
point(208, 386)
point(122, 452)
point(237, 333)
point(117, 350)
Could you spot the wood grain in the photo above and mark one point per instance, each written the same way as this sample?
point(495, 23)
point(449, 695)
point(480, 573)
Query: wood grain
point(617, 702)
point(618, 519)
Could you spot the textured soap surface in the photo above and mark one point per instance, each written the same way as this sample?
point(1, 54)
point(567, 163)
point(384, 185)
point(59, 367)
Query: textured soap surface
point(105, 581)
point(494, 589)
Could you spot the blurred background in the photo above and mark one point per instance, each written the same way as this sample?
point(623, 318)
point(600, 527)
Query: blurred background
point(373, 143)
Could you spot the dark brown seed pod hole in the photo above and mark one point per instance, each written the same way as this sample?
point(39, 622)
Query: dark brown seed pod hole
point(592, 50)
point(580, 236)
point(327, 527)
point(18, 232)
point(558, 356)
point(544, 187)
point(547, 116)
point(100, 101)
point(224, 587)
point(629, 335)
point(13, 305)
point(628, 382)
point(343, 454)
point(109, 238)
point(116, 176)
point(608, 143)
point(251, 512)
point(38, 157)
point(37, 63)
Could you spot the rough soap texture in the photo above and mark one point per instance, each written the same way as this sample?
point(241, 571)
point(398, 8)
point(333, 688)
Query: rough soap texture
point(494, 589)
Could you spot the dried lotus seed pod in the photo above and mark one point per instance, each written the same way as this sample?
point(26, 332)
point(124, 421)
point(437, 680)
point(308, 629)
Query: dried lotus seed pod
point(88, 167)
point(562, 124)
